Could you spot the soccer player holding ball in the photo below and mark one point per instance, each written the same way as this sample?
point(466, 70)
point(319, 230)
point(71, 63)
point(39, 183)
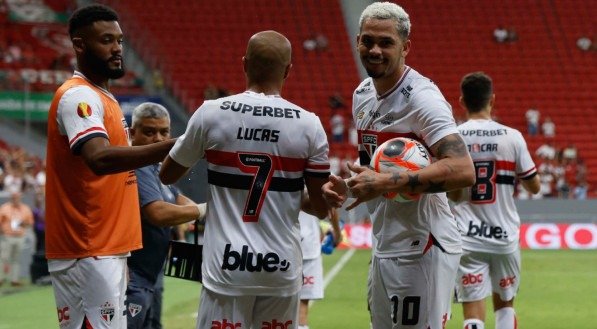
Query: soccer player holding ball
point(416, 256)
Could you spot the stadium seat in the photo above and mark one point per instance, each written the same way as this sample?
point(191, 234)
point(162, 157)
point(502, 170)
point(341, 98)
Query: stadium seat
point(204, 41)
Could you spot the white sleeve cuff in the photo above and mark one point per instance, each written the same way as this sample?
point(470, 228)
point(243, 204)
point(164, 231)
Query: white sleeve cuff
point(202, 210)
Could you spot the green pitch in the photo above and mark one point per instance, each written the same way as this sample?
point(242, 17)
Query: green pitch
point(559, 290)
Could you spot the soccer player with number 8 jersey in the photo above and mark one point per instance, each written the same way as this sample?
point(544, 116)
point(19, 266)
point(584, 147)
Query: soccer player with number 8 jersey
point(486, 211)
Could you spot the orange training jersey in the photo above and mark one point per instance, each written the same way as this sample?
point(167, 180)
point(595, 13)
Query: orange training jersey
point(87, 215)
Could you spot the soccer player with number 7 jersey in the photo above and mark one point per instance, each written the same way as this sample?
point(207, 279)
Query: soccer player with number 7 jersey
point(490, 263)
point(261, 151)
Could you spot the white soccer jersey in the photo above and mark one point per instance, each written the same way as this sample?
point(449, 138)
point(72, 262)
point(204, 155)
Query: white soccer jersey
point(488, 216)
point(258, 149)
point(88, 120)
point(310, 235)
point(413, 108)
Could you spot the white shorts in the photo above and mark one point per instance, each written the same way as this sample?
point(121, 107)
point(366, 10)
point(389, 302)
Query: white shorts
point(221, 311)
point(482, 273)
point(412, 292)
point(312, 279)
point(91, 290)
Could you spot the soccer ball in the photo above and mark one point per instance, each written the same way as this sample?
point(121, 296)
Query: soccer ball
point(399, 155)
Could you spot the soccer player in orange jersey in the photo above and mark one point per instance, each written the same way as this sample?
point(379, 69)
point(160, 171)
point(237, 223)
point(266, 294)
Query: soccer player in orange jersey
point(92, 206)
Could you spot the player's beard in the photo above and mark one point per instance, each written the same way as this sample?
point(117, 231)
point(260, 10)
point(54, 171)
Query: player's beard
point(103, 66)
point(373, 73)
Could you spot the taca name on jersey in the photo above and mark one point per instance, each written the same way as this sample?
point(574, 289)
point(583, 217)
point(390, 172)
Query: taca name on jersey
point(478, 148)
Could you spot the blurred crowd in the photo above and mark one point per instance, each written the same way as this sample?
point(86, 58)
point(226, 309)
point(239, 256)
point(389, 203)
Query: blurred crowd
point(38, 57)
point(20, 170)
point(563, 173)
point(22, 215)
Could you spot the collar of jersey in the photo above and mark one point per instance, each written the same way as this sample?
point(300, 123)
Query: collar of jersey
point(248, 92)
point(80, 75)
point(406, 70)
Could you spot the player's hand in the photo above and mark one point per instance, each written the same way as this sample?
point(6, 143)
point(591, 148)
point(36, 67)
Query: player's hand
point(335, 191)
point(364, 186)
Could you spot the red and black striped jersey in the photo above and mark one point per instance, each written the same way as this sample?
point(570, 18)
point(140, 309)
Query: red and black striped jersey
point(258, 149)
point(488, 216)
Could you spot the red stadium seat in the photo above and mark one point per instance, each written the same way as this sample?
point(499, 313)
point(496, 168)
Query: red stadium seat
point(203, 41)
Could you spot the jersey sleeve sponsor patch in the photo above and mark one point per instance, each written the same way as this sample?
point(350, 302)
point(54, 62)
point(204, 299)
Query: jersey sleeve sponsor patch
point(84, 110)
point(80, 116)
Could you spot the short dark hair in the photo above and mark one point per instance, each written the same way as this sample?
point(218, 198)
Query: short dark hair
point(476, 89)
point(87, 15)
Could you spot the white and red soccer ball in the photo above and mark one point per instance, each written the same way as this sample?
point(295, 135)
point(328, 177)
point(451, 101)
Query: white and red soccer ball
point(398, 155)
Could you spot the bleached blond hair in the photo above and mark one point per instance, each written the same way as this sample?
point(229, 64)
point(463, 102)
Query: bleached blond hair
point(388, 10)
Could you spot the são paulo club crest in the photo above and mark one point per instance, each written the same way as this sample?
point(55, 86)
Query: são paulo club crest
point(369, 141)
point(107, 312)
point(134, 309)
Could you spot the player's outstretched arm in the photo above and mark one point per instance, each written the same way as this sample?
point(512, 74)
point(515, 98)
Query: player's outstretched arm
point(313, 201)
point(161, 213)
point(171, 171)
point(103, 158)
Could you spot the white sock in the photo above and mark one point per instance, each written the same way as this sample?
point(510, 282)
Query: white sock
point(505, 318)
point(303, 327)
point(474, 324)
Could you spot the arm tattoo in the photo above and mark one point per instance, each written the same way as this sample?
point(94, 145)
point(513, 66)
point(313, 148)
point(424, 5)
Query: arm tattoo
point(413, 182)
point(451, 145)
point(433, 187)
point(368, 184)
point(395, 177)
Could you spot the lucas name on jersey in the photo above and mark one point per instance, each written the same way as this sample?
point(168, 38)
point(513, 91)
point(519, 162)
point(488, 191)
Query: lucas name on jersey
point(261, 111)
point(258, 134)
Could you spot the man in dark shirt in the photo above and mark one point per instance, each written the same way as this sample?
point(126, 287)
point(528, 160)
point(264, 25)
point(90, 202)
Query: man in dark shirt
point(162, 206)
